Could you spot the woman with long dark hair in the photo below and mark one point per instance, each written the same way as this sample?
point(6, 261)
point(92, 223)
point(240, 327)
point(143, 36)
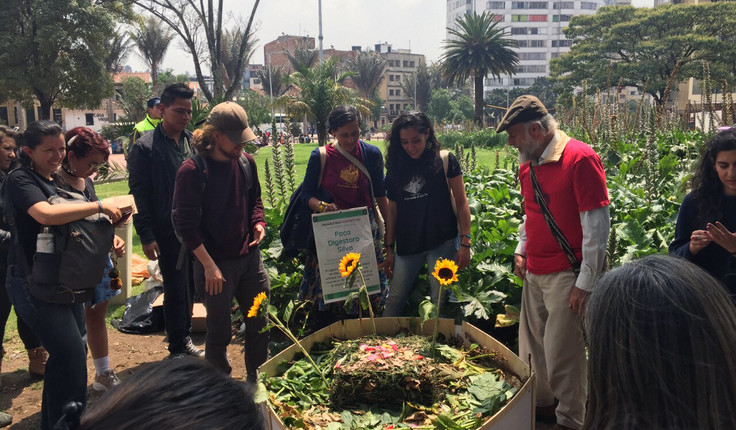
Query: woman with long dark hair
point(59, 326)
point(428, 216)
point(661, 345)
point(707, 215)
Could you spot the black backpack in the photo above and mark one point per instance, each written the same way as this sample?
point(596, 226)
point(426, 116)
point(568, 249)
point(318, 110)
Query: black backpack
point(81, 247)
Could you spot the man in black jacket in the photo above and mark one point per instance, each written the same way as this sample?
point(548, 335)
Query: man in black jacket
point(152, 164)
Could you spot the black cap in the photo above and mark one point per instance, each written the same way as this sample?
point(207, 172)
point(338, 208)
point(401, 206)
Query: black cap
point(153, 102)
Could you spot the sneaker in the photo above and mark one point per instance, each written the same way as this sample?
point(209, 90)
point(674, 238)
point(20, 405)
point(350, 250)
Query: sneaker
point(37, 361)
point(176, 356)
point(191, 349)
point(105, 381)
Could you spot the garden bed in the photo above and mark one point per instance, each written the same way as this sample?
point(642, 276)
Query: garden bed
point(395, 374)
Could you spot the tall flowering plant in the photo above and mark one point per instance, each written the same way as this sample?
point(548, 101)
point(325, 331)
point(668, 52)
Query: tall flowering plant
point(445, 271)
point(350, 268)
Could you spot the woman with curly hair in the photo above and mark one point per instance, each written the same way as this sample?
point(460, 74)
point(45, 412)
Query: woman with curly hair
point(708, 213)
point(424, 186)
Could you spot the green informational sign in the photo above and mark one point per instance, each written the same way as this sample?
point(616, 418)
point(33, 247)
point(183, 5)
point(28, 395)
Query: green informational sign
point(336, 234)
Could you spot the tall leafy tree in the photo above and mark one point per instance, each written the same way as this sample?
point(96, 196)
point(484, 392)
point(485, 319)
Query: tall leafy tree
point(477, 47)
point(647, 47)
point(54, 51)
point(153, 38)
point(200, 27)
point(302, 56)
point(422, 82)
point(231, 41)
point(119, 49)
point(132, 95)
point(368, 72)
point(272, 78)
point(320, 92)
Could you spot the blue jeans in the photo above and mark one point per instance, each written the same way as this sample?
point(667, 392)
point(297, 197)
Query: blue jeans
point(406, 270)
point(61, 329)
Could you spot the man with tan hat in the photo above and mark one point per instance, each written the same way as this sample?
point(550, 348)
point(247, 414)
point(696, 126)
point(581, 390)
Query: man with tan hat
point(219, 215)
point(561, 250)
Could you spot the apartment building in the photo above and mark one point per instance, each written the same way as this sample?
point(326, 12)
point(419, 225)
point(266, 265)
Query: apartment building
point(400, 64)
point(536, 26)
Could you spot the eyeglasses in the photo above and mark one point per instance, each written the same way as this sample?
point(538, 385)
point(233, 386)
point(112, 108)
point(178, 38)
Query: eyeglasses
point(115, 282)
point(95, 166)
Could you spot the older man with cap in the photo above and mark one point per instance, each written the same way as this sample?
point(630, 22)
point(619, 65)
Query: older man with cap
point(561, 251)
point(153, 117)
point(219, 215)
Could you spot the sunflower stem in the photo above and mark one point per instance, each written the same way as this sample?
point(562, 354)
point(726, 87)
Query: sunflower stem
point(364, 290)
point(437, 322)
point(275, 320)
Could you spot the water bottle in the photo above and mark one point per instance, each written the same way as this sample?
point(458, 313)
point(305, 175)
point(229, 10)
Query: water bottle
point(45, 241)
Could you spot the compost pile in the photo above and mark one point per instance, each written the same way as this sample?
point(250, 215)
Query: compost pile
point(379, 382)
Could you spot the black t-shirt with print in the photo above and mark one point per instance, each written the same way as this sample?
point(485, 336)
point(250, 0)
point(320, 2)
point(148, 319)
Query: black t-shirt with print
point(424, 215)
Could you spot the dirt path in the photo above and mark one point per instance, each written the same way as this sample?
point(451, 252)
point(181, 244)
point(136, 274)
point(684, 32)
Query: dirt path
point(20, 395)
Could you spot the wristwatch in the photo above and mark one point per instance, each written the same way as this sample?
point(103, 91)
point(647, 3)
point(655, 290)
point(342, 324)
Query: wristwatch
point(321, 206)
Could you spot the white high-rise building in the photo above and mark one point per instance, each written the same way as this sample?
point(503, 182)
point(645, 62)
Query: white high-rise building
point(535, 25)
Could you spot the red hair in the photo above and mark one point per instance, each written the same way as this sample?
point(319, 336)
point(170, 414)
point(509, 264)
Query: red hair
point(82, 141)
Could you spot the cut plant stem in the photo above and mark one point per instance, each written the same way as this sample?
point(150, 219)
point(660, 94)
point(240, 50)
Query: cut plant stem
point(436, 323)
point(364, 290)
point(288, 334)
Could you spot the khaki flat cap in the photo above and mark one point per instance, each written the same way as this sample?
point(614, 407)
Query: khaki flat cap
point(524, 108)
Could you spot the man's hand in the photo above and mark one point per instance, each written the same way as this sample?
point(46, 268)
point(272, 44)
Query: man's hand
point(213, 279)
point(578, 298)
point(520, 265)
point(151, 250)
point(259, 232)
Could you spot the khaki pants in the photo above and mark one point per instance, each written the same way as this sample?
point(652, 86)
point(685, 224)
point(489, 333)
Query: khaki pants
point(551, 339)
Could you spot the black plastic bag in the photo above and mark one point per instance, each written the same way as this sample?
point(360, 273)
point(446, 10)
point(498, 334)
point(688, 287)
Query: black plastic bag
point(140, 316)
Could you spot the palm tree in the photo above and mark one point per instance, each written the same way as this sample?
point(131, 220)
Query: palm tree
point(368, 68)
point(320, 92)
point(302, 56)
point(272, 80)
point(230, 44)
point(477, 48)
point(118, 49)
point(152, 40)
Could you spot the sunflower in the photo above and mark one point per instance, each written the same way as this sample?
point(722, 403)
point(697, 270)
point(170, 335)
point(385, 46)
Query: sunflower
point(348, 264)
point(258, 302)
point(445, 271)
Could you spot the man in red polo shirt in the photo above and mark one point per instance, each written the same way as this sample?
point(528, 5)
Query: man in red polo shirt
point(558, 268)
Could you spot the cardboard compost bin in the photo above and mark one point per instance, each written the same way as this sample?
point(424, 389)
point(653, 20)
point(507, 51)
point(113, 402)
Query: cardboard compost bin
point(517, 414)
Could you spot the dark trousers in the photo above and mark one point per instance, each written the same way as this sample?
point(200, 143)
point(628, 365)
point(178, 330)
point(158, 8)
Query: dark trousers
point(29, 339)
point(245, 277)
point(61, 329)
point(177, 299)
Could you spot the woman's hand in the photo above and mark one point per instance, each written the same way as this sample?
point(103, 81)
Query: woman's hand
point(462, 257)
point(719, 234)
point(699, 239)
point(118, 245)
point(213, 279)
point(111, 210)
point(331, 207)
point(388, 264)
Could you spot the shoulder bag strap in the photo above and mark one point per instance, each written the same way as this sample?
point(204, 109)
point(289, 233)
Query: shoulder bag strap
point(322, 161)
point(445, 156)
point(359, 165)
point(551, 223)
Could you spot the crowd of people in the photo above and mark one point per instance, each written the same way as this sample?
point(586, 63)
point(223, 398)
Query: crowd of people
point(648, 344)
